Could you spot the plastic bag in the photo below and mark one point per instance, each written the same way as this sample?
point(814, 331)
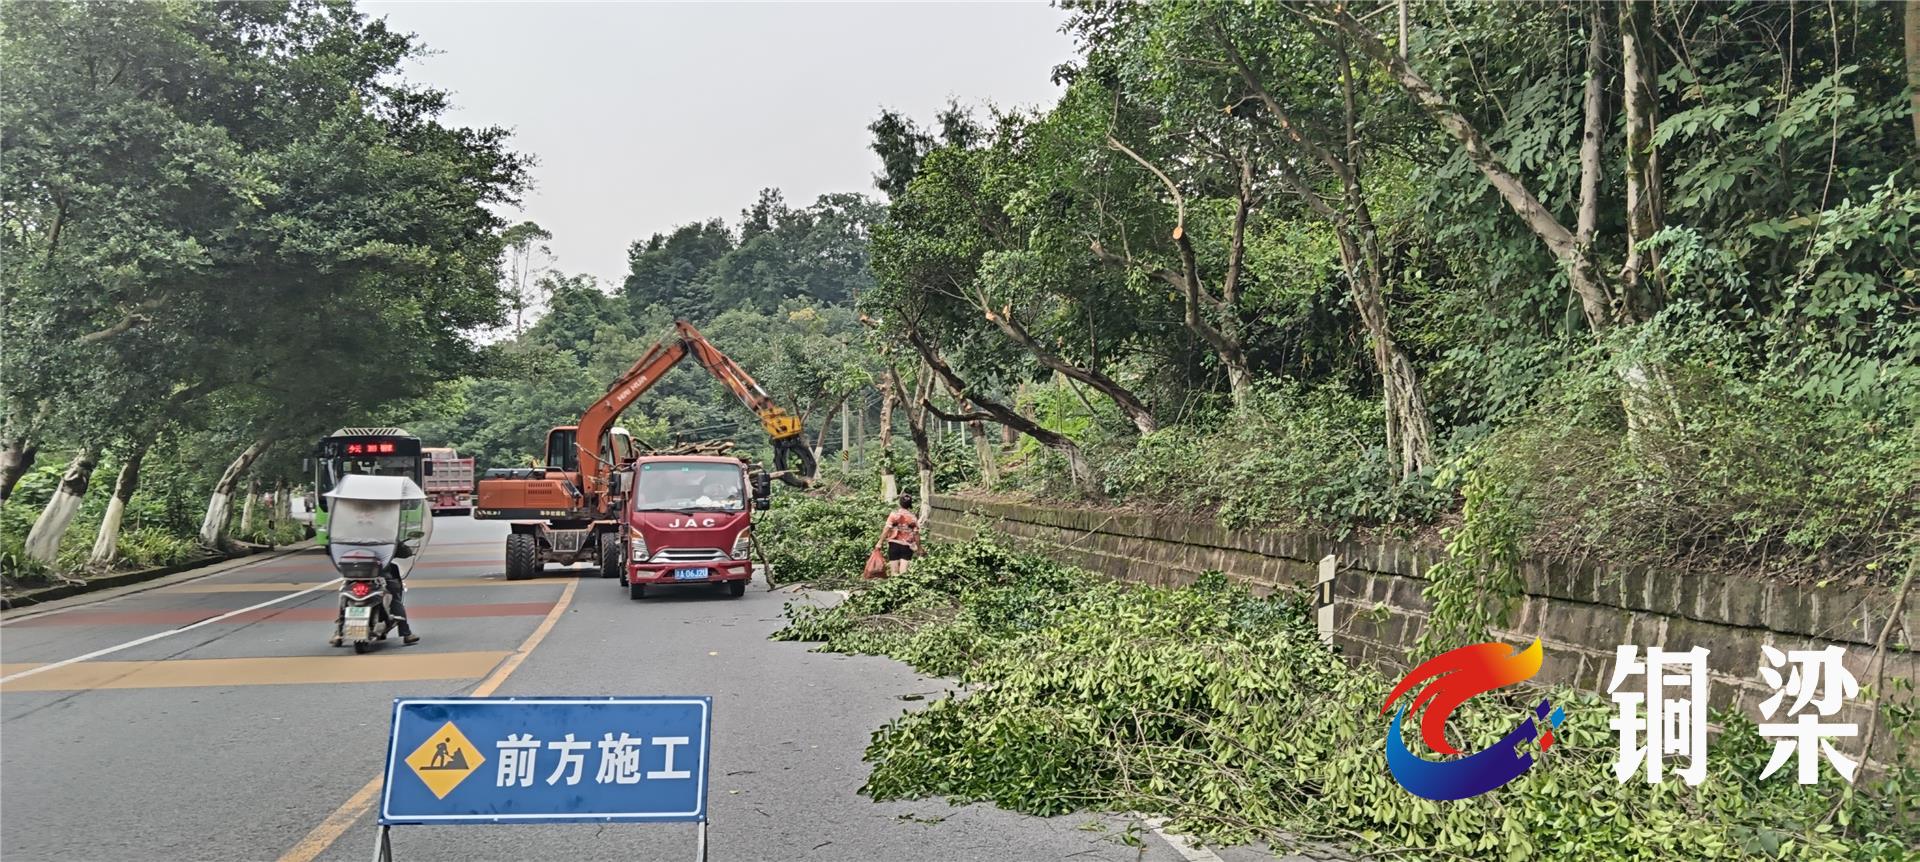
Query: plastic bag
point(876, 565)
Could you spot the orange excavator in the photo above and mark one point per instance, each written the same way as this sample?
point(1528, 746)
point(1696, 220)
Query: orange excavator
point(568, 510)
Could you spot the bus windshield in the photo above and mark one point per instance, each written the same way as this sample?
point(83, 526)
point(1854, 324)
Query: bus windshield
point(368, 452)
point(671, 487)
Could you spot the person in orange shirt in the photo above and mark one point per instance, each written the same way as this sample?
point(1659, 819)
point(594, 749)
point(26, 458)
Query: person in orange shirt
point(902, 536)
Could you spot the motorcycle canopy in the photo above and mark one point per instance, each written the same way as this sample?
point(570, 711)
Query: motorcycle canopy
point(376, 510)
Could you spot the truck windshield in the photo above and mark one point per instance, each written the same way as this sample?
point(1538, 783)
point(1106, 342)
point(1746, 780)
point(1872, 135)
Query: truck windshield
point(669, 486)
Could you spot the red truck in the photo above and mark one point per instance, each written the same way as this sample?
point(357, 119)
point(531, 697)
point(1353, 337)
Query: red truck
point(689, 521)
point(447, 480)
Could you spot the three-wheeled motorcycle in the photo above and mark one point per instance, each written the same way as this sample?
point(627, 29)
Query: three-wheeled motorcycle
point(378, 527)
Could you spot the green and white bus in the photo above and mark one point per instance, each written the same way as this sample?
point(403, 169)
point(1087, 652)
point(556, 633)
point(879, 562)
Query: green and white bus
point(368, 451)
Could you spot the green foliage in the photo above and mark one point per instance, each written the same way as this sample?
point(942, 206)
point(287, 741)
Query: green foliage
point(817, 541)
point(1290, 457)
point(1738, 462)
point(148, 547)
point(1223, 711)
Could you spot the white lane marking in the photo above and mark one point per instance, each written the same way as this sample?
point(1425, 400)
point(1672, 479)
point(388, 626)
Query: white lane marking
point(1181, 844)
point(170, 632)
point(114, 594)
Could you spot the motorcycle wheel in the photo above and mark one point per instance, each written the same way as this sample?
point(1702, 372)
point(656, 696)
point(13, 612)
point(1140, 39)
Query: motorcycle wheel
point(361, 647)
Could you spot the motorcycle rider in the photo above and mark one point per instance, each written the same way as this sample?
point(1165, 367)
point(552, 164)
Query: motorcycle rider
point(380, 522)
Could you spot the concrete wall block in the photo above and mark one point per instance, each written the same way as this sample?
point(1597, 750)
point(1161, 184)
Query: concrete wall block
point(1743, 602)
point(1594, 627)
point(1792, 611)
point(1533, 578)
point(1843, 611)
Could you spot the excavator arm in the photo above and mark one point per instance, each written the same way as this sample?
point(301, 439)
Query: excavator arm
point(596, 457)
point(783, 428)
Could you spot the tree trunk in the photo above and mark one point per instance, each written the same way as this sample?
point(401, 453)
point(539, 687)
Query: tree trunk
point(246, 506)
point(16, 458)
point(889, 485)
point(820, 439)
point(1596, 295)
point(1643, 163)
point(213, 528)
point(43, 540)
point(1129, 403)
point(1077, 465)
point(989, 468)
point(106, 543)
point(1913, 64)
point(917, 426)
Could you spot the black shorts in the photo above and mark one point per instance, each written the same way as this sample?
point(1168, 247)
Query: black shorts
point(897, 551)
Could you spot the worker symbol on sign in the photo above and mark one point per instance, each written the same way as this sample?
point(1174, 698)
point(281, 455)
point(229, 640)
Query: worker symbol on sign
point(445, 759)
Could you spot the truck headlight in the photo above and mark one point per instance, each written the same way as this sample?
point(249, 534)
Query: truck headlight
point(742, 546)
point(639, 548)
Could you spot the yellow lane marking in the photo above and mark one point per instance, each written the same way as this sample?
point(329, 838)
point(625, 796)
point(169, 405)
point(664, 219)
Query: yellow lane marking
point(423, 581)
point(290, 670)
point(357, 805)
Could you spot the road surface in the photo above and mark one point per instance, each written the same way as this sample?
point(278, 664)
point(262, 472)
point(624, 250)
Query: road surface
point(248, 738)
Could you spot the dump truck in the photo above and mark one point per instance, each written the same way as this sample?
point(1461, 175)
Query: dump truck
point(447, 480)
point(572, 508)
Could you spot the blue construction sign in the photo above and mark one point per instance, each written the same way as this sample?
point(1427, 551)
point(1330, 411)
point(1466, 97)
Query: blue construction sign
point(547, 760)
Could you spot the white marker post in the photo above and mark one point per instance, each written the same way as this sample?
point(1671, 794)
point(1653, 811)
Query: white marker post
point(1323, 598)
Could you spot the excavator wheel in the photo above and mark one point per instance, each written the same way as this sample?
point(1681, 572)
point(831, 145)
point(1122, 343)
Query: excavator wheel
point(523, 556)
point(612, 562)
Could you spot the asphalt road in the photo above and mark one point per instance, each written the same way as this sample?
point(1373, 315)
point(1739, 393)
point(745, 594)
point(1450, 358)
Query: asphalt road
point(249, 738)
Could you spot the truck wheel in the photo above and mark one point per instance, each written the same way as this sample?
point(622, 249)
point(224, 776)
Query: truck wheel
point(636, 592)
point(523, 556)
point(612, 562)
point(736, 589)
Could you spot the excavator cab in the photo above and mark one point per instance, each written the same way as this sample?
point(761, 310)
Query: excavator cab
point(561, 452)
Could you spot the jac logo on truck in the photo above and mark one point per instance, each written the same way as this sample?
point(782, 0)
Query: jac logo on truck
point(690, 523)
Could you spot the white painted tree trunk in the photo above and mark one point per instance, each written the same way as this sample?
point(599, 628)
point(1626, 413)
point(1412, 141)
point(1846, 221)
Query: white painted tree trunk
point(213, 528)
point(43, 541)
point(246, 508)
point(106, 543)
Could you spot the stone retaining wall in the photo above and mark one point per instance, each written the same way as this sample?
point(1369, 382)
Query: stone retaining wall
point(1579, 612)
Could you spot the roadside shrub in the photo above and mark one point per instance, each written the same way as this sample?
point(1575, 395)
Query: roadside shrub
point(1221, 710)
point(819, 541)
point(149, 547)
point(1729, 463)
point(1290, 457)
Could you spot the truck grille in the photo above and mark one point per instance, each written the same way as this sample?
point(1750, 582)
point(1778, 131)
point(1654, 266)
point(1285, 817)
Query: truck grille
point(567, 540)
point(689, 555)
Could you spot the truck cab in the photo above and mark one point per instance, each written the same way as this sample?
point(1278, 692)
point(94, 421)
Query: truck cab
point(688, 521)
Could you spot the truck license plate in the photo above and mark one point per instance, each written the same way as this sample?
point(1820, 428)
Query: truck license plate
point(359, 612)
point(690, 574)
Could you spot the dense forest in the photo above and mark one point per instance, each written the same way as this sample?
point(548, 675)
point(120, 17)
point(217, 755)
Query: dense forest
point(1635, 281)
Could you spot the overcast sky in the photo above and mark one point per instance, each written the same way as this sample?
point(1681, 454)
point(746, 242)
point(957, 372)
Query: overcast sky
point(648, 115)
